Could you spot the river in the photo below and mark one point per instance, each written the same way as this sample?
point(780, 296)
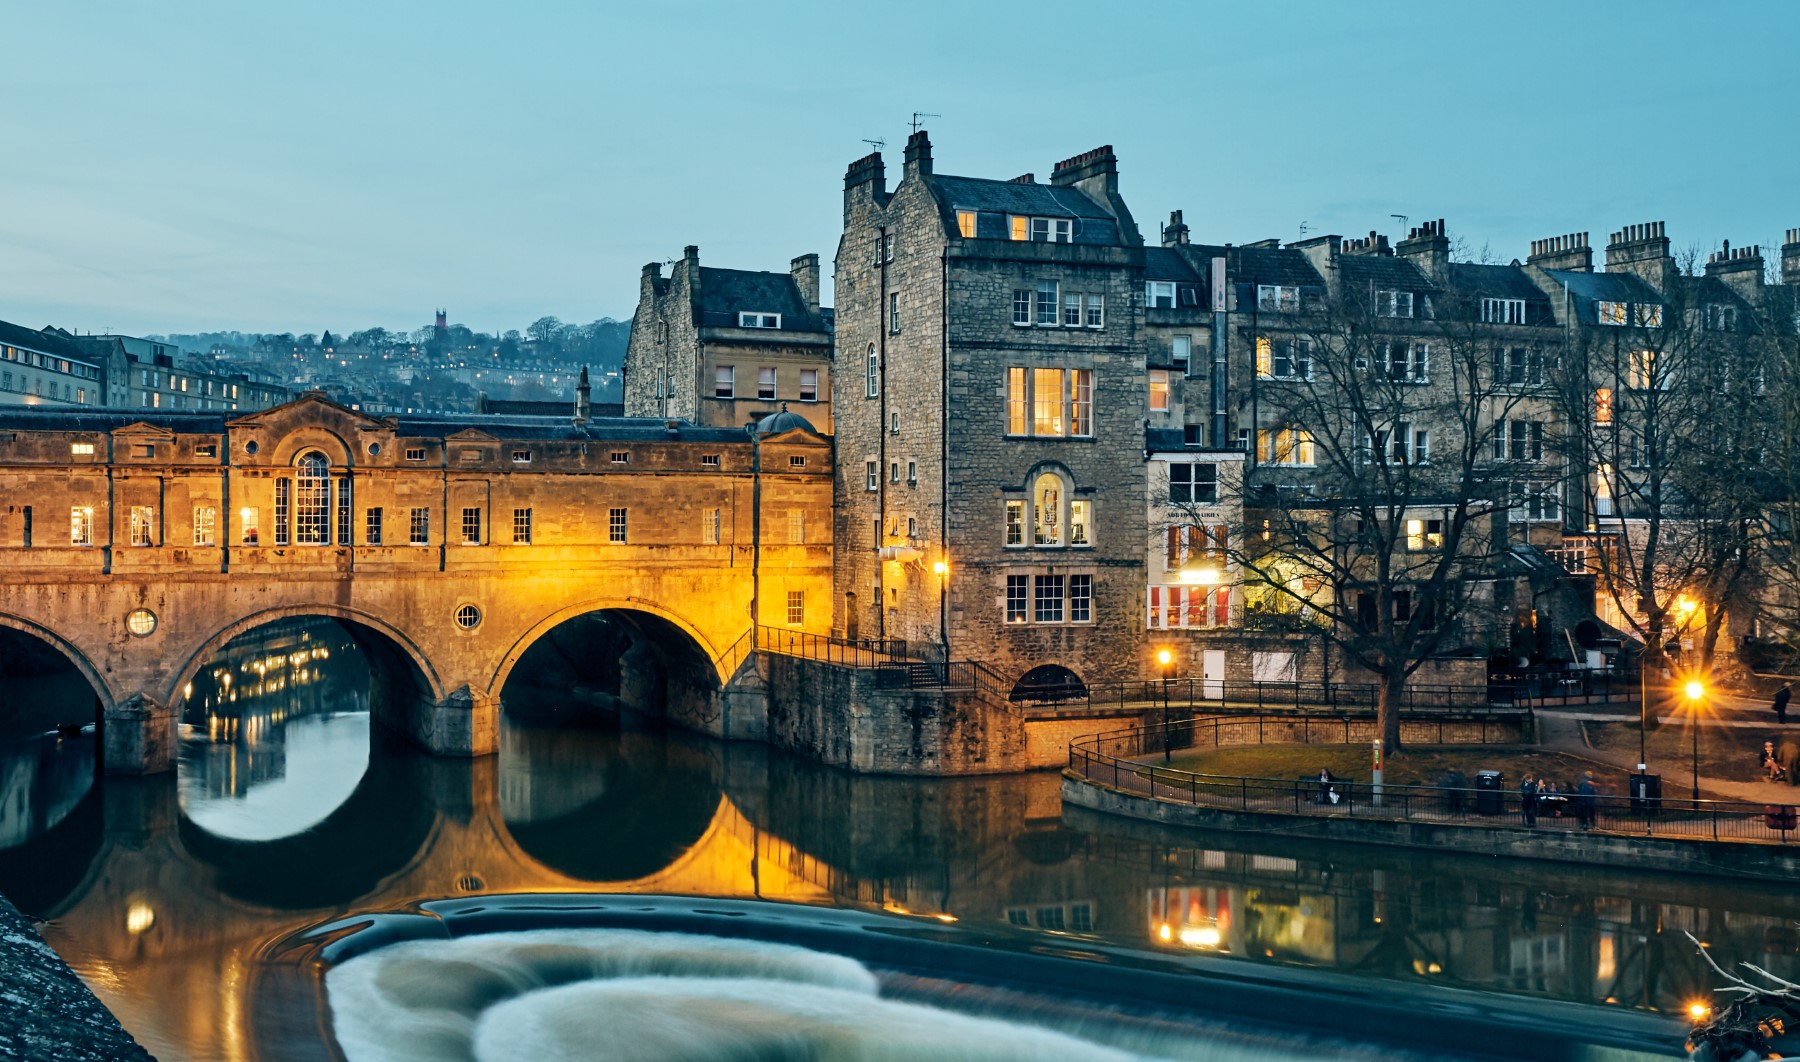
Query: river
point(185, 900)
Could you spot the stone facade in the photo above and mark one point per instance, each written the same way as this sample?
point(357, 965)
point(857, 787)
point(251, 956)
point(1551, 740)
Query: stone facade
point(726, 347)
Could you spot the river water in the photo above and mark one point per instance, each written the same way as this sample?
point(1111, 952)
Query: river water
point(186, 902)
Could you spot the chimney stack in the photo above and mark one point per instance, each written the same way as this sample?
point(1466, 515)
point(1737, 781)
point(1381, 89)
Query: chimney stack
point(867, 170)
point(1790, 258)
point(1376, 244)
point(1428, 248)
point(1175, 234)
point(1570, 251)
point(918, 154)
point(1741, 269)
point(805, 271)
point(581, 399)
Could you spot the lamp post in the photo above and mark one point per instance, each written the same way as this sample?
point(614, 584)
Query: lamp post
point(1163, 659)
point(1696, 690)
point(942, 568)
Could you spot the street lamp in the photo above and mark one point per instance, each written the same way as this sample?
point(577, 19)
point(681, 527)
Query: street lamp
point(1164, 658)
point(1696, 691)
point(942, 569)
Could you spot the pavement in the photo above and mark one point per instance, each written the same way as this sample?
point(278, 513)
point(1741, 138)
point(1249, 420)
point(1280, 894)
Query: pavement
point(1564, 732)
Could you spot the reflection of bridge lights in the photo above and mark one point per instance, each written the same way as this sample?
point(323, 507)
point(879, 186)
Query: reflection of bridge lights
point(1200, 936)
point(187, 691)
point(139, 917)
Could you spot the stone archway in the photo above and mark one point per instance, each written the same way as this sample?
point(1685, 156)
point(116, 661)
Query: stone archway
point(1048, 683)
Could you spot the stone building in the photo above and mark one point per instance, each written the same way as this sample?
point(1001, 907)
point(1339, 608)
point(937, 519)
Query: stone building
point(55, 367)
point(725, 347)
point(46, 369)
point(991, 416)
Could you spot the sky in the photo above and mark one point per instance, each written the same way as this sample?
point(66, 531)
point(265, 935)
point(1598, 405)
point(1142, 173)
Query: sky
point(188, 166)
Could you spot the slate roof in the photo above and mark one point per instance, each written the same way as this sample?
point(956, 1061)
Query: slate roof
point(1273, 265)
point(1590, 288)
point(992, 200)
point(1494, 282)
point(724, 293)
point(45, 342)
point(618, 429)
point(1383, 272)
point(1164, 263)
point(56, 418)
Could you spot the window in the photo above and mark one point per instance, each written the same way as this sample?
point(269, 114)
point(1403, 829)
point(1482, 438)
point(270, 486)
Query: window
point(1096, 311)
point(1018, 589)
point(1040, 230)
point(1503, 311)
point(894, 472)
point(796, 529)
point(1047, 496)
point(25, 537)
point(709, 527)
point(1159, 391)
point(1022, 306)
point(616, 525)
point(1072, 310)
point(206, 449)
point(521, 527)
point(1721, 318)
point(1517, 365)
point(873, 474)
point(312, 501)
point(1181, 348)
point(1646, 375)
point(1285, 446)
point(1405, 362)
point(1283, 359)
point(796, 607)
point(284, 491)
point(206, 525)
point(372, 526)
point(759, 320)
point(143, 525)
point(1060, 401)
point(471, 526)
point(419, 526)
point(893, 423)
point(81, 526)
point(343, 511)
point(1646, 315)
point(1394, 303)
point(893, 311)
point(1537, 502)
point(796, 461)
point(1519, 440)
point(872, 374)
point(415, 453)
point(1046, 304)
point(81, 449)
point(1277, 298)
point(1196, 483)
point(1424, 535)
point(765, 381)
point(1080, 533)
point(619, 457)
point(1603, 405)
point(1015, 523)
point(1081, 599)
point(709, 460)
point(521, 457)
point(965, 223)
point(1610, 313)
point(809, 385)
point(143, 450)
point(1049, 599)
point(724, 382)
point(1408, 446)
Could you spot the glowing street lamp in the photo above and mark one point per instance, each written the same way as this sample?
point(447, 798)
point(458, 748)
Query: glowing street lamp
point(1696, 692)
point(1165, 658)
point(941, 568)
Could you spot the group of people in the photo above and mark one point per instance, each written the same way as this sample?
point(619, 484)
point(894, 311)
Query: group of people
point(1778, 764)
point(1542, 796)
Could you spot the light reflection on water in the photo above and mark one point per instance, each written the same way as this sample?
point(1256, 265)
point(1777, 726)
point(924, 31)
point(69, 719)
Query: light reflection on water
point(166, 894)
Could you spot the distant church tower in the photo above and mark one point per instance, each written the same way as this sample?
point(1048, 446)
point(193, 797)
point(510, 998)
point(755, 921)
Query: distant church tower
point(443, 322)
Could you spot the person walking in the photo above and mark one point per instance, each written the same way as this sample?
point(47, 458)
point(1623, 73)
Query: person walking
point(1528, 799)
point(1584, 801)
point(1782, 697)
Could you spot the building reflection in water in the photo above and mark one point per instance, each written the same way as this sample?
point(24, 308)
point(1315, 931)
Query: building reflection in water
point(168, 898)
point(42, 778)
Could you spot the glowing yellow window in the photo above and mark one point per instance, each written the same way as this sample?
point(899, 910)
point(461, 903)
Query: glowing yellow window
point(1020, 228)
point(965, 223)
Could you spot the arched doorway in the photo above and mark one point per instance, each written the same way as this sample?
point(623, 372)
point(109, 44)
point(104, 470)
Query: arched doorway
point(1048, 684)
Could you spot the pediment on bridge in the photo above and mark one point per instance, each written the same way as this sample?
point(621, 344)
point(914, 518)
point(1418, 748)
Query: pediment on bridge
point(139, 428)
point(310, 404)
point(797, 436)
point(471, 435)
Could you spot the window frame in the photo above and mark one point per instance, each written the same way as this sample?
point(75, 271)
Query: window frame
point(470, 524)
point(521, 526)
point(758, 319)
point(768, 381)
point(724, 381)
point(1154, 293)
point(618, 525)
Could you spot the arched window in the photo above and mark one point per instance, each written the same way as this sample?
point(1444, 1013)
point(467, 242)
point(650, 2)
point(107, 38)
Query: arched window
point(1048, 495)
point(872, 384)
point(312, 500)
point(1056, 518)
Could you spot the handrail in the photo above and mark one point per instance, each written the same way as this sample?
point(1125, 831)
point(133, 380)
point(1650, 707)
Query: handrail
point(1130, 766)
point(1202, 694)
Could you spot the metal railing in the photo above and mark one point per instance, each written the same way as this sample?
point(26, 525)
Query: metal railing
point(1214, 695)
point(847, 652)
point(1123, 760)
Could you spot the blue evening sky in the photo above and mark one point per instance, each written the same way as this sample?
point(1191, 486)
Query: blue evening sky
point(294, 167)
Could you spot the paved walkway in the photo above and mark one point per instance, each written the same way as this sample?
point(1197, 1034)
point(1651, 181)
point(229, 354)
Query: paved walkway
point(1564, 732)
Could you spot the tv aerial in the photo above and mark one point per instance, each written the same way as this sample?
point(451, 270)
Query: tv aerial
point(921, 114)
point(878, 143)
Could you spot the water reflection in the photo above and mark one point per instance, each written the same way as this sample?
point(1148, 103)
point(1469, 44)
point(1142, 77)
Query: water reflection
point(167, 896)
point(42, 778)
point(275, 731)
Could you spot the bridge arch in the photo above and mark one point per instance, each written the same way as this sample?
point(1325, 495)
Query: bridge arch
point(422, 669)
point(715, 655)
point(102, 689)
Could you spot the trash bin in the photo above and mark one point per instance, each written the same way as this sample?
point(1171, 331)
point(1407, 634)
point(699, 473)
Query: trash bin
point(1490, 792)
point(1646, 793)
point(1779, 817)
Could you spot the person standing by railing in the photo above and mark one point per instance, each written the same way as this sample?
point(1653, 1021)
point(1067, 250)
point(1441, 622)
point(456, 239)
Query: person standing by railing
point(1528, 799)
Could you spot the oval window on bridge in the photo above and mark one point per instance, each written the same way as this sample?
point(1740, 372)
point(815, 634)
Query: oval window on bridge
point(140, 621)
point(468, 617)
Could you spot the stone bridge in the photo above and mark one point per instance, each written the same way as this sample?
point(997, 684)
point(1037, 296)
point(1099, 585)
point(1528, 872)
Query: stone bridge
point(139, 545)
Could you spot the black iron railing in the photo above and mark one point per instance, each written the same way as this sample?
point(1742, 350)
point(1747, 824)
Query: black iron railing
point(1211, 695)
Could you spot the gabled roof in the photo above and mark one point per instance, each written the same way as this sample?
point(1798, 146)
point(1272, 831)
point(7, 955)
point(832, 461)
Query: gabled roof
point(44, 342)
point(1165, 263)
point(1384, 272)
point(1273, 265)
point(1494, 282)
point(1093, 223)
point(725, 293)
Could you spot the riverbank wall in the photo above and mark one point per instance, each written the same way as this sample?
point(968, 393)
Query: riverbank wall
point(52, 1014)
point(1764, 862)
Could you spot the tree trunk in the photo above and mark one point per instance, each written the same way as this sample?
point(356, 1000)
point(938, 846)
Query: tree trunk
point(1390, 694)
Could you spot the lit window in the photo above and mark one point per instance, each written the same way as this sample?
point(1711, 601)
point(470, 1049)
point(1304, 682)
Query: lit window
point(1047, 496)
point(965, 223)
point(143, 525)
point(1285, 446)
point(1159, 390)
point(1424, 535)
point(1017, 400)
point(1015, 523)
point(1159, 295)
point(616, 525)
point(81, 449)
point(724, 382)
point(1283, 359)
point(206, 525)
point(796, 607)
point(284, 505)
point(1018, 228)
point(81, 526)
point(765, 382)
point(1047, 406)
point(1080, 523)
point(419, 526)
point(471, 526)
point(1646, 375)
point(372, 526)
point(1058, 401)
point(809, 385)
point(1603, 405)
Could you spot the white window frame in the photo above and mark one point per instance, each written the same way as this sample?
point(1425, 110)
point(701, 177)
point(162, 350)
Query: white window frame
point(1286, 447)
point(1181, 349)
point(1096, 311)
point(1615, 314)
point(1075, 391)
point(893, 313)
point(771, 385)
point(1046, 303)
point(1278, 298)
point(1502, 311)
point(872, 374)
point(724, 381)
point(1184, 489)
point(965, 223)
point(1299, 357)
point(1398, 304)
point(872, 472)
point(206, 525)
point(1155, 291)
point(757, 319)
point(1021, 307)
point(809, 385)
point(1159, 388)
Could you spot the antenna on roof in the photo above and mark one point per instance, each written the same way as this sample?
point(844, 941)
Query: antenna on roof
point(1303, 228)
point(922, 114)
point(1401, 218)
point(878, 143)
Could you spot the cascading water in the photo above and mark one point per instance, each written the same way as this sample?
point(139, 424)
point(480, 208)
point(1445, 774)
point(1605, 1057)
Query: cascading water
point(634, 996)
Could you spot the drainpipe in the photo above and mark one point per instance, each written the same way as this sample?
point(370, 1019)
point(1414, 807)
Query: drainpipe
point(944, 454)
point(881, 430)
point(755, 533)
